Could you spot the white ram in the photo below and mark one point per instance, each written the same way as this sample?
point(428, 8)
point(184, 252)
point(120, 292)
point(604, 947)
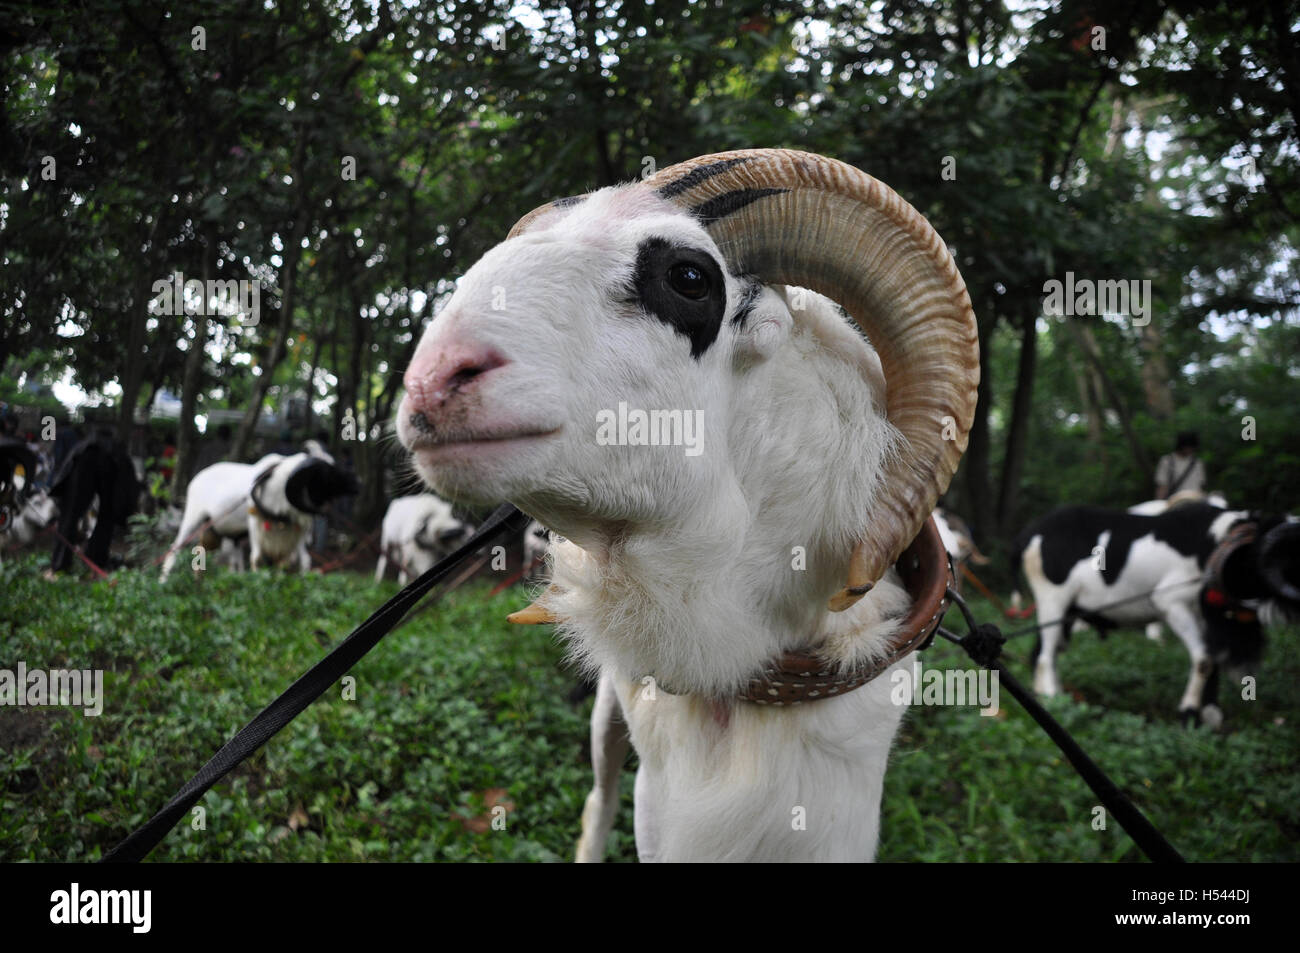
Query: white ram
point(418, 530)
point(272, 501)
point(643, 371)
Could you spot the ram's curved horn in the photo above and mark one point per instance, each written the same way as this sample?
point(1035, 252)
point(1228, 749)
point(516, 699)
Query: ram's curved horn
point(800, 219)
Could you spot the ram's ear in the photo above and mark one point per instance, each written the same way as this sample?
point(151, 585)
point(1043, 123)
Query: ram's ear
point(765, 327)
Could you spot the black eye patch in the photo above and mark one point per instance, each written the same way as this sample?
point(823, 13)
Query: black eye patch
point(682, 287)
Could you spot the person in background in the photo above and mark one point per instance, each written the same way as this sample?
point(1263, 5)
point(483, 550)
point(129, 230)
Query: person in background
point(67, 435)
point(1182, 469)
point(98, 465)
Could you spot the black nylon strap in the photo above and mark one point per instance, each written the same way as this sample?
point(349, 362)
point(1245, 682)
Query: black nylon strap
point(307, 689)
point(983, 643)
point(1149, 840)
point(1173, 487)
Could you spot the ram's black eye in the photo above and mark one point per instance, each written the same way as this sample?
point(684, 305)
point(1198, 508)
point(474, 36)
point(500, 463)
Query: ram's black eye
point(683, 287)
point(688, 281)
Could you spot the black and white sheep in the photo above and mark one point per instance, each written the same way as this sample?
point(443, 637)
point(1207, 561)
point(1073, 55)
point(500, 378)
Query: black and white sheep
point(272, 502)
point(1111, 568)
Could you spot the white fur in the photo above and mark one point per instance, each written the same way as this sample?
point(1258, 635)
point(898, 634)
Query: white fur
point(413, 535)
point(536, 544)
point(678, 573)
point(221, 493)
point(31, 516)
point(957, 541)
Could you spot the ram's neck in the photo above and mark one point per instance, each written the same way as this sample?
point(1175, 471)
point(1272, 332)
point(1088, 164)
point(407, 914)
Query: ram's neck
point(701, 604)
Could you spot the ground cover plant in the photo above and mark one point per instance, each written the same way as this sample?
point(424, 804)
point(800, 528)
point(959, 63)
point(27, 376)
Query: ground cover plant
point(461, 743)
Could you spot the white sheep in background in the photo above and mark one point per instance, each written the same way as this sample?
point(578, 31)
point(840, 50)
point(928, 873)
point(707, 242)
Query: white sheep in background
point(24, 512)
point(537, 540)
point(418, 531)
point(272, 501)
point(28, 517)
point(684, 575)
point(957, 539)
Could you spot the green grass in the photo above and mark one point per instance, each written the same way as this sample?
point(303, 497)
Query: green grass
point(458, 711)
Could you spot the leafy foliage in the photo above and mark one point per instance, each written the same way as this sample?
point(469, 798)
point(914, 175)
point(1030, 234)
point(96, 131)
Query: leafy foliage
point(1150, 142)
point(457, 712)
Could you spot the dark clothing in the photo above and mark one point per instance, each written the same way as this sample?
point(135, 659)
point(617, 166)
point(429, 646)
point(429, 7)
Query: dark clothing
point(93, 467)
point(65, 440)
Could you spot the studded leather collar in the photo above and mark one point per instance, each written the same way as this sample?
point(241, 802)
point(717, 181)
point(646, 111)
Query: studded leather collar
point(798, 677)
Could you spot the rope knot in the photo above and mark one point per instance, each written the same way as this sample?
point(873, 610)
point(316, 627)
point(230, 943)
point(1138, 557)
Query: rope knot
point(984, 644)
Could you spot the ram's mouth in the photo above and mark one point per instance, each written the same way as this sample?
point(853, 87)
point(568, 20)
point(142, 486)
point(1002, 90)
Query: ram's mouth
point(430, 446)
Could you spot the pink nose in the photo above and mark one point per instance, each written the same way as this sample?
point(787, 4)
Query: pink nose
point(438, 373)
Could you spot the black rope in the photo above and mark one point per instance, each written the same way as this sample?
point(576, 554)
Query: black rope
point(983, 643)
point(1072, 616)
point(307, 689)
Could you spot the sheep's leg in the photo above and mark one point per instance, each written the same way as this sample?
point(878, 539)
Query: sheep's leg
point(1155, 631)
point(174, 553)
point(609, 745)
point(304, 557)
point(1045, 680)
point(1211, 713)
point(403, 577)
point(382, 566)
point(234, 550)
point(1182, 619)
point(254, 545)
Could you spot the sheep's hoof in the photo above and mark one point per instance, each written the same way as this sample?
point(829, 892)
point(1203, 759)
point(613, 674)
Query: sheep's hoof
point(532, 615)
point(1212, 717)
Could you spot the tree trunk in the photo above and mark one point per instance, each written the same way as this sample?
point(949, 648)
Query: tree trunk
point(336, 432)
point(137, 317)
point(1155, 374)
point(311, 388)
point(1083, 336)
point(1018, 431)
point(288, 289)
point(1090, 401)
point(980, 515)
point(187, 436)
point(371, 505)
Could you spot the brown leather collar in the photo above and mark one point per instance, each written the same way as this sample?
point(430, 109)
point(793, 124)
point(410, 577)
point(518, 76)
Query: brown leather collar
point(798, 677)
